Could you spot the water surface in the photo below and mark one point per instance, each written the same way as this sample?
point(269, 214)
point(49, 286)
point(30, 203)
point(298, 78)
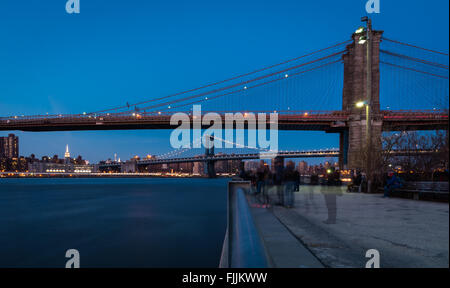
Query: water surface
point(112, 222)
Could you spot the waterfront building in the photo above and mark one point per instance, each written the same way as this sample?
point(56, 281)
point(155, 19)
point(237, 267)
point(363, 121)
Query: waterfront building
point(198, 168)
point(251, 165)
point(130, 166)
point(49, 167)
point(55, 165)
point(302, 167)
point(9, 147)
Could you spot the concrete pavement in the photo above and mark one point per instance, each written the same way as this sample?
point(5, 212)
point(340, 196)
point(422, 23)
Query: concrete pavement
point(283, 249)
point(407, 233)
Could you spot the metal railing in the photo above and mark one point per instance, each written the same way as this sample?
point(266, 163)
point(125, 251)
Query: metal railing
point(243, 246)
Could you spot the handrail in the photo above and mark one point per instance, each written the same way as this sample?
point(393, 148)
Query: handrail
point(243, 246)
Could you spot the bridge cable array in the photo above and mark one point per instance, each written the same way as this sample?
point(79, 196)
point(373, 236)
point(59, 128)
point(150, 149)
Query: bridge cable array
point(290, 69)
point(413, 77)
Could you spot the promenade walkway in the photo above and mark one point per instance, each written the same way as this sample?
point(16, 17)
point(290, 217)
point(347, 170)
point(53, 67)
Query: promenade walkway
point(407, 233)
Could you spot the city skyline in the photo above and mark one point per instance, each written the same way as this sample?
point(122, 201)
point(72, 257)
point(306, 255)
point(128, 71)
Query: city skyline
point(117, 158)
point(67, 164)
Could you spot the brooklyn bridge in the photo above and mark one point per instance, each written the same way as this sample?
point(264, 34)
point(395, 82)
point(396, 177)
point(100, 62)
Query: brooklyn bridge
point(357, 88)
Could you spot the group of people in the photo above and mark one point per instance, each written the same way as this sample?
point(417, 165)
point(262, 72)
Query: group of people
point(359, 182)
point(391, 183)
point(285, 180)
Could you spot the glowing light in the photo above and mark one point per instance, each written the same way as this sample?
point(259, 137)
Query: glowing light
point(360, 30)
point(360, 104)
point(362, 40)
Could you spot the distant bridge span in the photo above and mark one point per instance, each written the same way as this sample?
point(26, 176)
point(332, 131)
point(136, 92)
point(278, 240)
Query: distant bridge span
point(264, 155)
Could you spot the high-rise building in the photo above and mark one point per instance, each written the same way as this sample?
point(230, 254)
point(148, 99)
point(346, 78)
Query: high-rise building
point(302, 167)
point(67, 155)
point(9, 147)
point(251, 165)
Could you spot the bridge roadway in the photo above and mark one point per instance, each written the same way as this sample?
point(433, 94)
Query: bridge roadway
point(330, 121)
point(262, 155)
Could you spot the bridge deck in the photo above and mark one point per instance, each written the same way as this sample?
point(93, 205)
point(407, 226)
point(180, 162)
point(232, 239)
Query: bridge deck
point(332, 121)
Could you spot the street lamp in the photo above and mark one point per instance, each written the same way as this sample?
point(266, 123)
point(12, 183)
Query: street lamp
point(367, 39)
point(360, 30)
point(360, 104)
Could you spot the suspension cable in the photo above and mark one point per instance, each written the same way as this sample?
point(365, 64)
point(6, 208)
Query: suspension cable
point(238, 84)
point(415, 70)
point(224, 81)
point(414, 46)
point(439, 65)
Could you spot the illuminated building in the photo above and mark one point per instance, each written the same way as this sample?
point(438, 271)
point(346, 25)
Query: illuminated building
point(67, 155)
point(9, 147)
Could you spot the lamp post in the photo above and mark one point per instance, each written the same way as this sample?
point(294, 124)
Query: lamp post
point(363, 40)
point(366, 104)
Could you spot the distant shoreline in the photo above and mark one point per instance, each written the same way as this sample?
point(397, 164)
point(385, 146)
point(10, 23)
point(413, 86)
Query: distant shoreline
point(19, 175)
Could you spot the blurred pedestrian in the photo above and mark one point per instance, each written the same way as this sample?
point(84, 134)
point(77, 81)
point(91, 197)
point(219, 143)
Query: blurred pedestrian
point(290, 181)
point(278, 179)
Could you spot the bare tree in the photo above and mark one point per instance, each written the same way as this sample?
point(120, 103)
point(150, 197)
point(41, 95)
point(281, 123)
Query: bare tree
point(423, 152)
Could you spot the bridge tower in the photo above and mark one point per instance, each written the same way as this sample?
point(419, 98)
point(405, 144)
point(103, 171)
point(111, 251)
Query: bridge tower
point(353, 140)
point(209, 152)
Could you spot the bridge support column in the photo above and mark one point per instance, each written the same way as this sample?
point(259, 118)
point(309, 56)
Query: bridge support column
point(210, 169)
point(355, 90)
point(357, 153)
point(343, 150)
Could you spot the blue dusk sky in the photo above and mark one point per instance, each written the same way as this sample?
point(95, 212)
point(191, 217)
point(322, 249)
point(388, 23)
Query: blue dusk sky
point(118, 51)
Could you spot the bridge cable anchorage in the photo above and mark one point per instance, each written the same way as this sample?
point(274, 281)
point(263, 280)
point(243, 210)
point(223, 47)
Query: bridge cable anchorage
point(415, 70)
point(414, 46)
point(247, 87)
point(226, 80)
point(241, 84)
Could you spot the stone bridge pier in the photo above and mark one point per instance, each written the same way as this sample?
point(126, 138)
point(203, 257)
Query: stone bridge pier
point(353, 139)
point(210, 170)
